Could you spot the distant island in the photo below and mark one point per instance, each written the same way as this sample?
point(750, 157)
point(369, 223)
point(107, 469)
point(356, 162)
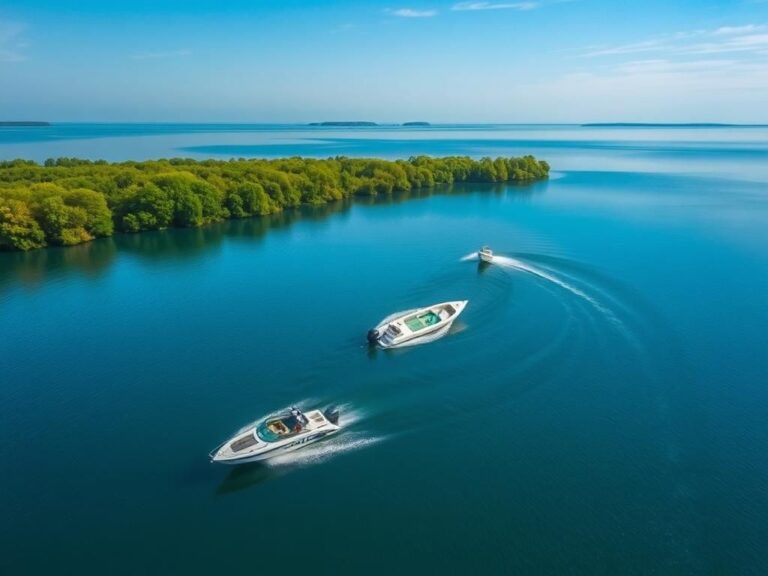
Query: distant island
point(23, 123)
point(363, 123)
point(69, 201)
point(345, 123)
point(663, 125)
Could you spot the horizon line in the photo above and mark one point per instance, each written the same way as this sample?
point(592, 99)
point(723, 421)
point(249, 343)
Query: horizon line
point(375, 124)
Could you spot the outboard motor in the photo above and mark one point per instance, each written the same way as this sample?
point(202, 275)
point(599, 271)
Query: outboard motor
point(332, 415)
point(373, 336)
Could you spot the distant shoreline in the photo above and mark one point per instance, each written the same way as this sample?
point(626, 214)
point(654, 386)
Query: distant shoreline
point(365, 123)
point(37, 123)
point(344, 123)
point(668, 125)
point(23, 123)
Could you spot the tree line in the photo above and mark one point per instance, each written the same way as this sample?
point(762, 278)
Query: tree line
point(67, 201)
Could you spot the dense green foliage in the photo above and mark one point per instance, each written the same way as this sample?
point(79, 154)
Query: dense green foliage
point(69, 201)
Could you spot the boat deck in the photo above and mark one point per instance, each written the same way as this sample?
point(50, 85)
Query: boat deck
point(243, 443)
point(421, 321)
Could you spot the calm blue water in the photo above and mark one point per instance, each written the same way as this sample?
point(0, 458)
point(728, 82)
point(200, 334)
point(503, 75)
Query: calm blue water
point(600, 408)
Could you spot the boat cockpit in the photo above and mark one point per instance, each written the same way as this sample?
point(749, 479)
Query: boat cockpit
point(282, 427)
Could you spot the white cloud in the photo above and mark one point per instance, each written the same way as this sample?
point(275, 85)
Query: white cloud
point(719, 74)
point(750, 38)
point(162, 54)
point(411, 13)
point(725, 30)
point(716, 90)
point(467, 6)
point(11, 46)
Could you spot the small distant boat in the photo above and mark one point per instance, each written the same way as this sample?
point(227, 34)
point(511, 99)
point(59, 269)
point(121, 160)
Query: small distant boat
point(485, 254)
point(276, 435)
point(416, 324)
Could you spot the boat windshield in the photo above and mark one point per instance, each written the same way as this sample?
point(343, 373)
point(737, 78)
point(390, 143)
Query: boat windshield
point(276, 429)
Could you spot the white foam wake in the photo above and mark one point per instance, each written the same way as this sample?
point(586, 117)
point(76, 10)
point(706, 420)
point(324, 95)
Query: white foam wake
point(325, 450)
point(516, 264)
point(469, 257)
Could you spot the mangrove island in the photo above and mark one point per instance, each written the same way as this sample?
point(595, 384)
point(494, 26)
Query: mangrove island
point(344, 123)
point(68, 201)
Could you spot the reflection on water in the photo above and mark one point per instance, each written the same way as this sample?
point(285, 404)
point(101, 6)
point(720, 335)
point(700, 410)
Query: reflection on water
point(35, 267)
point(31, 269)
point(247, 476)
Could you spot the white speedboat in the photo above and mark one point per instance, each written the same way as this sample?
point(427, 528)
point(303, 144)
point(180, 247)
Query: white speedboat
point(485, 254)
point(416, 324)
point(277, 435)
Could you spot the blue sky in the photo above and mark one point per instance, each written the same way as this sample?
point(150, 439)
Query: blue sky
point(441, 61)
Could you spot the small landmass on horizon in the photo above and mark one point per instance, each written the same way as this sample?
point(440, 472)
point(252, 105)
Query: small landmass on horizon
point(23, 123)
point(365, 123)
point(344, 123)
point(665, 125)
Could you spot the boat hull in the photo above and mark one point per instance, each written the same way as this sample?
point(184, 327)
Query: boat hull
point(287, 448)
point(406, 337)
point(426, 332)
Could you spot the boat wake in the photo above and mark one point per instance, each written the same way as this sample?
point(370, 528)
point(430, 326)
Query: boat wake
point(520, 265)
point(516, 264)
point(325, 450)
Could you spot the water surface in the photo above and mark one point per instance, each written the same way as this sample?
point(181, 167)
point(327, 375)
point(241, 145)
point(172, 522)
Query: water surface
point(600, 407)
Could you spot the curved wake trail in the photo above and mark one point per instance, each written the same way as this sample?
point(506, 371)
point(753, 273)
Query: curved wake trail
point(520, 265)
point(516, 264)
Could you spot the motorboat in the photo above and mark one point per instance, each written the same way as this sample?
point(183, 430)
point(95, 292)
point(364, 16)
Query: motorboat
point(485, 254)
point(276, 435)
point(415, 324)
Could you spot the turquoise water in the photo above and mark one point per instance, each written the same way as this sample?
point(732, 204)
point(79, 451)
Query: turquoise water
point(599, 408)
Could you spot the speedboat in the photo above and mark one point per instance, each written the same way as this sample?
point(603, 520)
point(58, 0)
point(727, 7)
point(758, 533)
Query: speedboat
point(485, 254)
point(276, 435)
point(416, 324)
